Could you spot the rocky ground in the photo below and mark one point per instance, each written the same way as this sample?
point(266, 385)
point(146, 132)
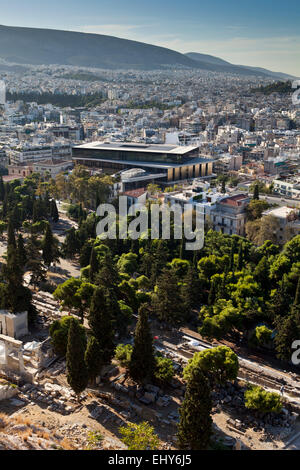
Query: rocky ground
point(51, 407)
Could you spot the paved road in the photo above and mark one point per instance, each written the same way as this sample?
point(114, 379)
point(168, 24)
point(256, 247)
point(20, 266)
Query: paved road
point(281, 201)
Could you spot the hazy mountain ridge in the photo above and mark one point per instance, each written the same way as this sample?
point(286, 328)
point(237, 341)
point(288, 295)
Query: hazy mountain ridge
point(48, 46)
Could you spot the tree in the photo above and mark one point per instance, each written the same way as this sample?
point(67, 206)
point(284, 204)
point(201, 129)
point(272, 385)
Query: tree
point(139, 436)
point(100, 322)
point(35, 261)
point(71, 245)
point(77, 373)
point(50, 247)
point(256, 192)
point(191, 289)
point(167, 301)
point(93, 358)
point(255, 209)
point(11, 240)
point(256, 398)
point(263, 229)
point(223, 188)
point(164, 370)
point(288, 330)
point(59, 331)
point(142, 361)
point(220, 364)
point(54, 211)
point(123, 354)
point(195, 425)
point(153, 189)
point(75, 294)
point(21, 250)
point(94, 265)
point(261, 336)
point(2, 189)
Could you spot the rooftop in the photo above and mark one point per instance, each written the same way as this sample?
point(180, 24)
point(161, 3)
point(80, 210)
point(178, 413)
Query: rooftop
point(235, 200)
point(134, 147)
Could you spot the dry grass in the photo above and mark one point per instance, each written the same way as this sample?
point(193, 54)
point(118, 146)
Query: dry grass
point(44, 435)
point(4, 420)
point(26, 434)
point(66, 444)
point(22, 420)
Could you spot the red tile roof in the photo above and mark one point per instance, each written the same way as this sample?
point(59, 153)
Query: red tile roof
point(135, 192)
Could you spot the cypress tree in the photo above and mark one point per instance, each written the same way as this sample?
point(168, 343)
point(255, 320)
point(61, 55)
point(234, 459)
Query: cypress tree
point(54, 211)
point(212, 293)
point(2, 189)
point(256, 192)
point(288, 330)
point(195, 425)
point(191, 289)
point(297, 295)
point(93, 358)
point(71, 244)
point(35, 262)
point(11, 240)
point(94, 265)
point(21, 250)
point(101, 324)
point(77, 374)
point(282, 299)
point(240, 257)
point(142, 363)
point(223, 189)
point(167, 301)
point(50, 247)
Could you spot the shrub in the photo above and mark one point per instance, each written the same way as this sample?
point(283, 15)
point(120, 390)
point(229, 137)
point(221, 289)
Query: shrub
point(263, 334)
point(139, 436)
point(256, 398)
point(164, 370)
point(123, 354)
point(59, 330)
point(220, 363)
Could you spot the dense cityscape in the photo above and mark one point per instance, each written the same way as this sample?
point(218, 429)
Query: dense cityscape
point(136, 342)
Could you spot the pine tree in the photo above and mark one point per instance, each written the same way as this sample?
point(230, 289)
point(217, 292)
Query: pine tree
point(101, 324)
point(93, 358)
point(195, 425)
point(77, 374)
point(142, 363)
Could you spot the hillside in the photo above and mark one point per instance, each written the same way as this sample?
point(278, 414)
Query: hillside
point(46, 46)
point(34, 46)
point(215, 64)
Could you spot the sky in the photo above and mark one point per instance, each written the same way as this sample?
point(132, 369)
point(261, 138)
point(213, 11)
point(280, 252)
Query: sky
point(263, 33)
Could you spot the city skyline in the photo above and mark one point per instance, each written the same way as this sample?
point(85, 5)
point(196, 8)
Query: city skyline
point(265, 35)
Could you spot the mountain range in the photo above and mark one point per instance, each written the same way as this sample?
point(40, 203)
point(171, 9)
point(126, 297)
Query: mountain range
point(34, 46)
